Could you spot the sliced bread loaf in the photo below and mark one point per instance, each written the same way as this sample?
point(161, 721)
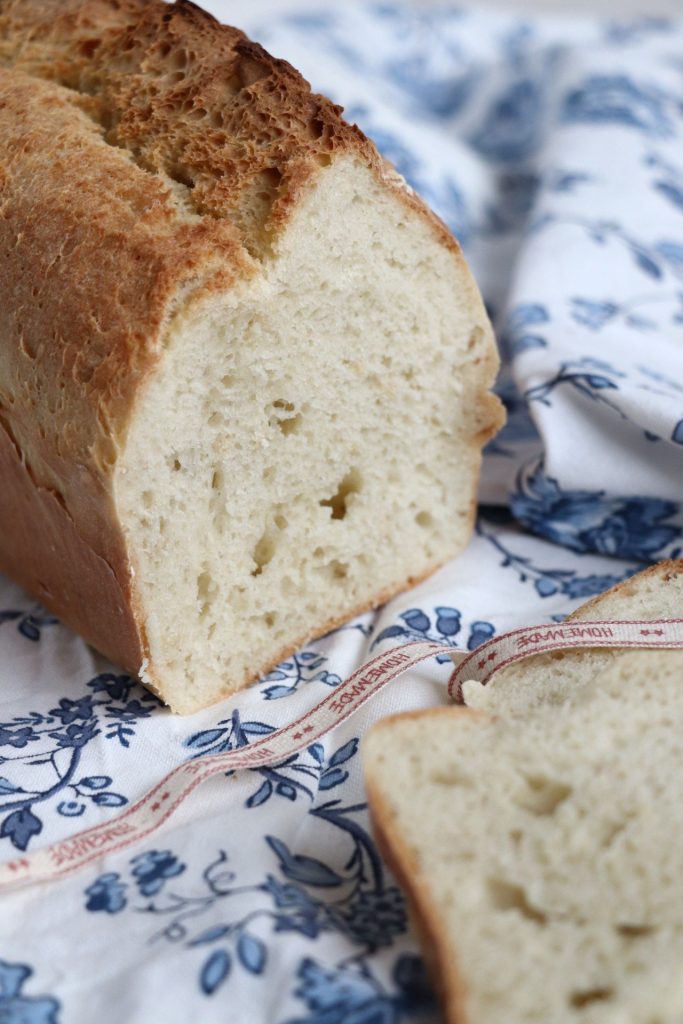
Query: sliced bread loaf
point(244, 371)
point(541, 846)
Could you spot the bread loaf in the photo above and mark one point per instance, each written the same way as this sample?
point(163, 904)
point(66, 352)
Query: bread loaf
point(540, 839)
point(243, 369)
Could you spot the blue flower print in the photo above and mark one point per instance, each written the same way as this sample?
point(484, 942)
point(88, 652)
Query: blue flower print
point(16, 1008)
point(629, 527)
point(520, 332)
point(547, 581)
point(16, 737)
point(511, 126)
point(352, 995)
point(71, 710)
point(374, 918)
point(338, 996)
point(446, 629)
point(153, 868)
point(617, 99)
point(107, 893)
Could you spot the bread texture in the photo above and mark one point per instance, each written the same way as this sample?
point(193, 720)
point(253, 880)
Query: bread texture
point(244, 371)
point(539, 839)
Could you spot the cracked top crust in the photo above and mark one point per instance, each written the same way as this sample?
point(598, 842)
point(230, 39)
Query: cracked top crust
point(237, 132)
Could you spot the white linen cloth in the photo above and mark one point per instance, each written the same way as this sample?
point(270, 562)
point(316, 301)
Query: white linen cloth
point(554, 149)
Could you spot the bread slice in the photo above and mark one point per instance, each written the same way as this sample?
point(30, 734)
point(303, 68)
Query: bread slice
point(541, 846)
point(244, 371)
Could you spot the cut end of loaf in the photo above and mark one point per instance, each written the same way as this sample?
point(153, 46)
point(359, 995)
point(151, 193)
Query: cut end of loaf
point(310, 443)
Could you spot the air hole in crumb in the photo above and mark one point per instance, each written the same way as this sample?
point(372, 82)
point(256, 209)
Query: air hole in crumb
point(339, 570)
point(542, 795)
point(263, 553)
point(284, 416)
point(424, 519)
point(206, 592)
point(504, 896)
point(227, 380)
point(319, 552)
point(474, 338)
point(215, 419)
point(635, 931)
point(591, 995)
point(280, 521)
point(351, 484)
point(147, 499)
point(270, 618)
point(450, 775)
point(177, 465)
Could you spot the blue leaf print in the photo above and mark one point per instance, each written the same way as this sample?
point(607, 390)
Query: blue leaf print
point(330, 779)
point(215, 971)
point(525, 342)
point(673, 254)
point(545, 586)
point(303, 869)
point(677, 434)
point(219, 931)
point(672, 192)
point(617, 99)
point(592, 313)
point(257, 728)
point(251, 952)
point(527, 313)
point(96, 782)
point(275, 692)
point(29, 629)
point(109, 800)
point(204, 739)
point(20, 827)
point(646, 263)
point(8, 787)
point(595, 381)
point(389, 633)
point(344, 753)
point(317, 752)
point(263, 793)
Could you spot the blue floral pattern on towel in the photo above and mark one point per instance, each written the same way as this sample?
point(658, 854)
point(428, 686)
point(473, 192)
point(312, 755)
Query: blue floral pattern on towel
point(553, 149)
